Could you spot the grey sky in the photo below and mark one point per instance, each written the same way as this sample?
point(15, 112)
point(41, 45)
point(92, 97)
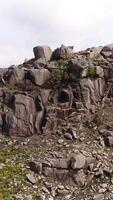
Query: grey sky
point(27, 23)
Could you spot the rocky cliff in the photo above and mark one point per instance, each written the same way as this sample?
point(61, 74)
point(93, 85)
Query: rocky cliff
point(56, 125)
point(54, 87)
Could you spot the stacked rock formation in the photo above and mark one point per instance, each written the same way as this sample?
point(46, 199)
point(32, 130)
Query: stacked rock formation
point(53, 87)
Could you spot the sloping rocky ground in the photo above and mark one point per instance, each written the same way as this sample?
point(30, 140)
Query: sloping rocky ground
point(56, 124)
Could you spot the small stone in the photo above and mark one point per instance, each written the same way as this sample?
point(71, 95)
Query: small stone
point(99, 173)
point(80, 178)
point(98, 197)
point(35, 186)
point(2, 165)
point(101, 141)
point(60, 141)
point(67, 197)
point(61, 191)
point(102, 190)
point(78, 161)
point(81, 139)
point(94, 153)
point(112, 180)
point(104, 185)
point(45, 190)
point(28, 197)
point(74, 134)
point(50, 198)
point(107, 171)
point(109, 141)
point(18, 197)
point(31, 178)
point(61, 187)
point(89, 178)
point(68, 136)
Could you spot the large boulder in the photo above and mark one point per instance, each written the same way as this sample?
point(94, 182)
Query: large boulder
point(78, 68)
point(62, 53)
point(40, 63)
point(14, 75)
point(107, 51)
point(95, 52)
point(42, 52)
point(78, 161)
point(22, 114)
point(38, 76)
point(90, 92)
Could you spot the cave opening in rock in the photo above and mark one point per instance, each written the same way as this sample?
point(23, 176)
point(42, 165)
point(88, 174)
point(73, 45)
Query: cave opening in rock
point(63, 97)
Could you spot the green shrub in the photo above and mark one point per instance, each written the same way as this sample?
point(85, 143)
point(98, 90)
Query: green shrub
point(59, 73)
point(91, 72)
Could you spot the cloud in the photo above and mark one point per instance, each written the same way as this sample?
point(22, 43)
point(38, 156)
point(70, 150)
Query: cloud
point(28, 23)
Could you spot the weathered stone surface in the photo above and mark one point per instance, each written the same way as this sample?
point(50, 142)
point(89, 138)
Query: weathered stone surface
point(21, 115)
point(109, 141)
point(31, 178)
point(78, 68)
point(62, 192)
point(107, 50)
point(78, 161)
point(42, 52)
point(98, 197)
point(14, 76)
point(38, 76)
point(90, 91)
point(59, 163)
point(62, 53)
point(45, 95)
point(50, 120)
point(99, 71)
point(95, 52)
point(40, 63)
point(68, 136)
point(105, 132)
point(80, 178)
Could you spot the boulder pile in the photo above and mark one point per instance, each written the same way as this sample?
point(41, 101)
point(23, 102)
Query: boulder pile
point(53, 87)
